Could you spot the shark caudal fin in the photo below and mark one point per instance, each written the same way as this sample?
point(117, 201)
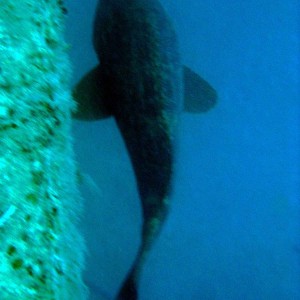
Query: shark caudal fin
point(88, 95)
point(129, 287)
point(199, 95)
point(151, 229)
point(128, 290)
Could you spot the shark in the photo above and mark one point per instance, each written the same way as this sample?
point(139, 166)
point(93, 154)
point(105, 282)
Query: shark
point(141, 82)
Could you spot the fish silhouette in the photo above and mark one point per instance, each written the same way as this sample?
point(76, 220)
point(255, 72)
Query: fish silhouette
point(141, 82)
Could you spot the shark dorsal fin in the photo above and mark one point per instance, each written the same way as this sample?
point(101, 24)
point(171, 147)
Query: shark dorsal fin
point(199, 95)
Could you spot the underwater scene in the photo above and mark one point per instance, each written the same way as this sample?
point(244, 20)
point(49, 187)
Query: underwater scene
point(225, 225)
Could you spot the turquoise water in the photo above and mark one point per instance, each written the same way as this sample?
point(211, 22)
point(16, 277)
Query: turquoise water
point(233, 231)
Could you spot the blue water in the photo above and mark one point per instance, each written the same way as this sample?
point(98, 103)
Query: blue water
point(233, 231)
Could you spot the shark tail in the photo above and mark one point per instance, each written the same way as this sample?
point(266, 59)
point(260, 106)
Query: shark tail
point(129, 288)
point(151, 229)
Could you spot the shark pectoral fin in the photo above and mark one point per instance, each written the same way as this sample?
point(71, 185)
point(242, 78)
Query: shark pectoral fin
point(199, 95)
point(88, 95)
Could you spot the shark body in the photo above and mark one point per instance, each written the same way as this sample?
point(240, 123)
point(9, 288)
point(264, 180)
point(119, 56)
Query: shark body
point(141, 83)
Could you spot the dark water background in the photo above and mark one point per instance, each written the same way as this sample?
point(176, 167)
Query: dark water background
point(233, 232)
